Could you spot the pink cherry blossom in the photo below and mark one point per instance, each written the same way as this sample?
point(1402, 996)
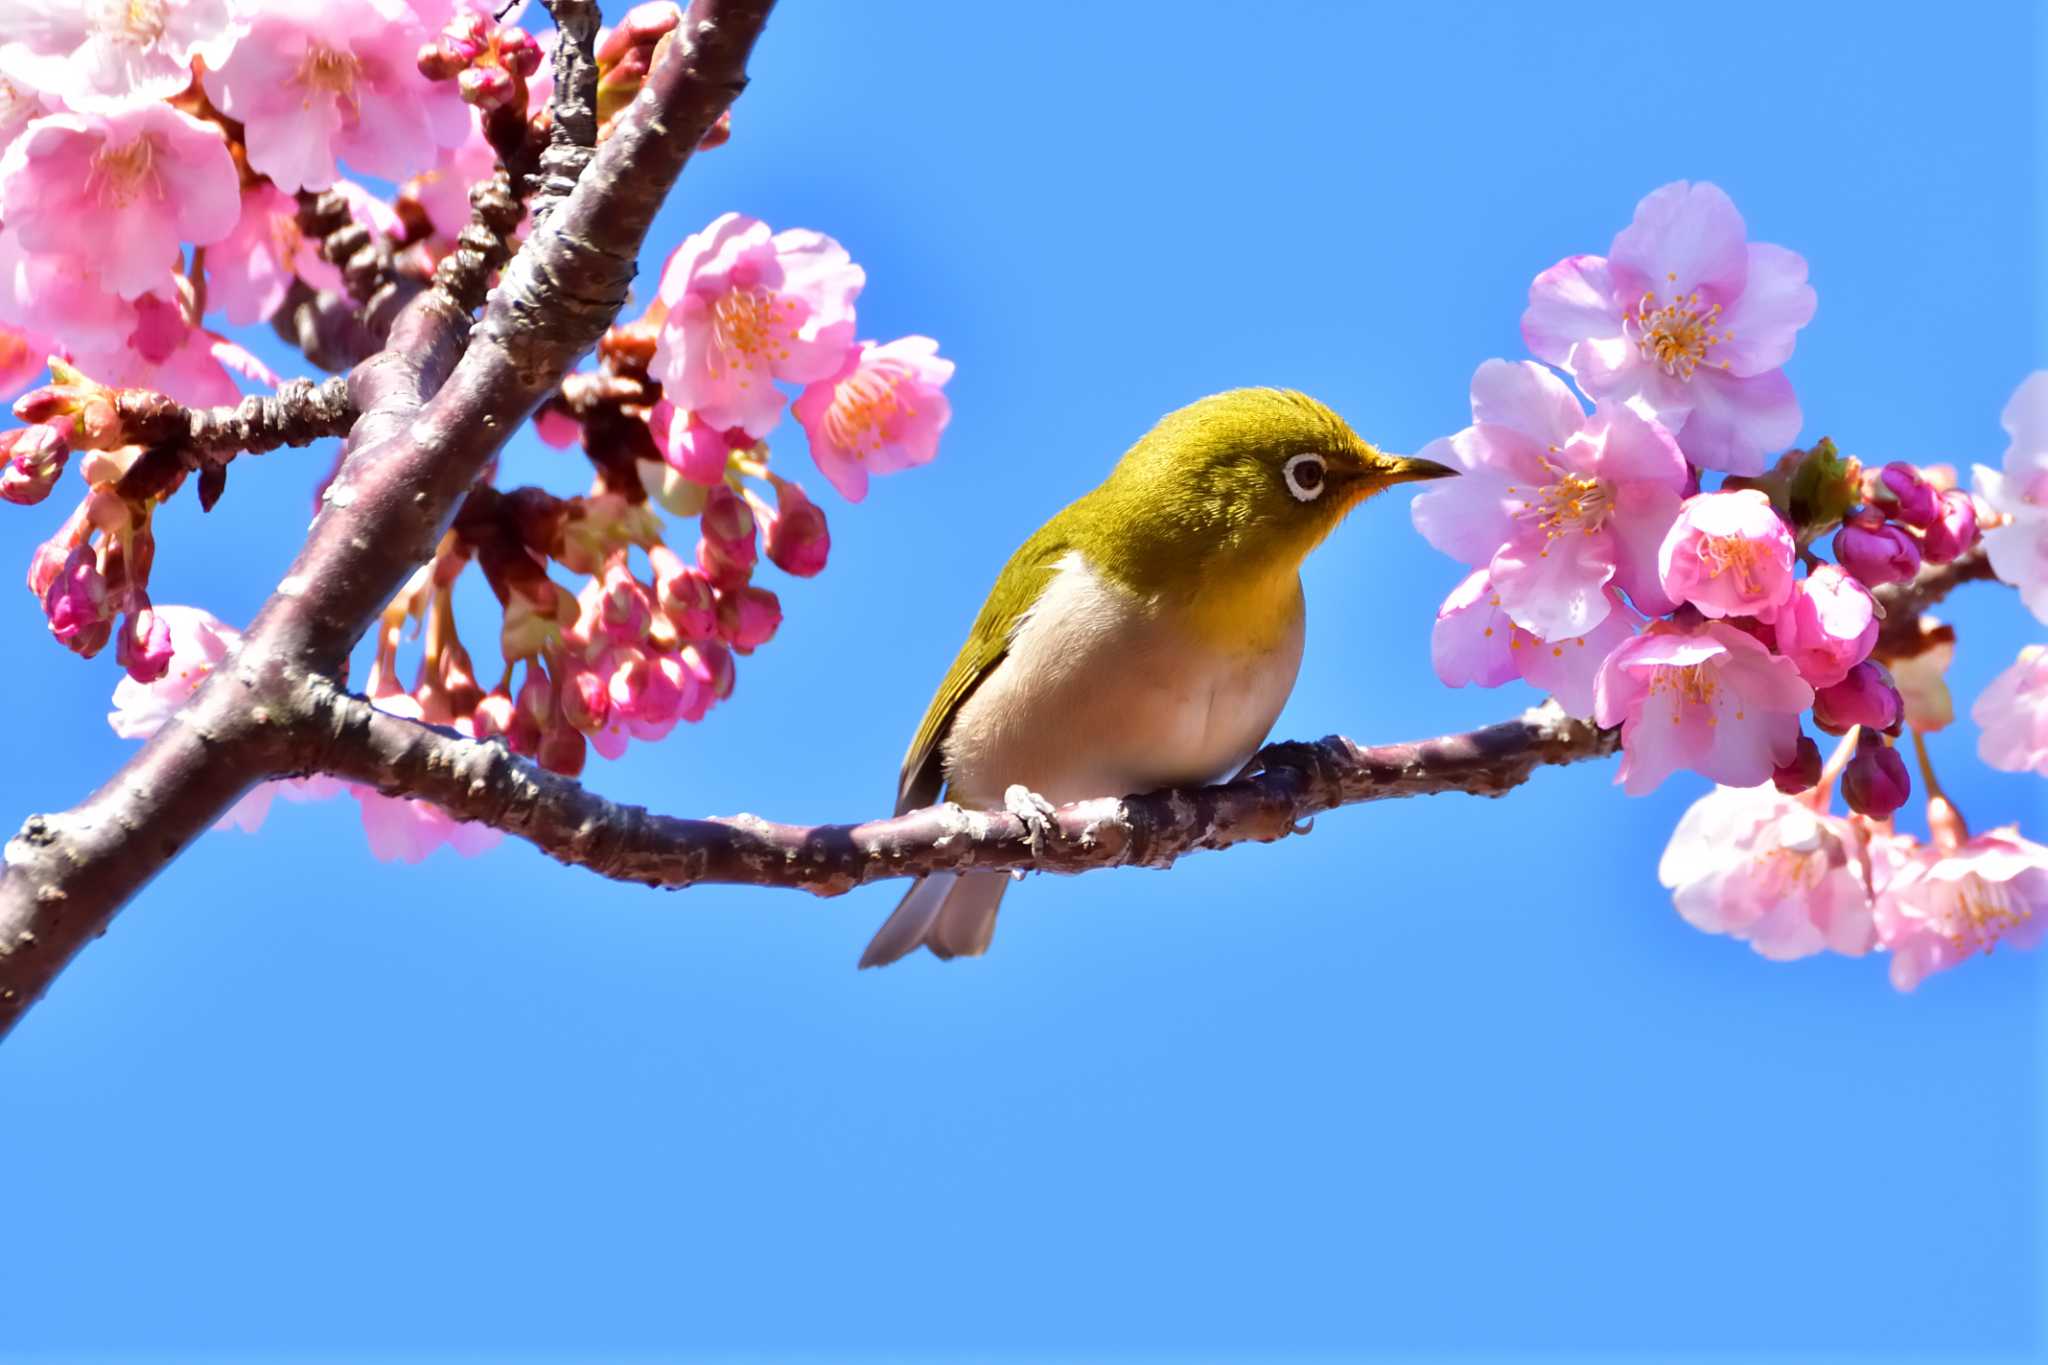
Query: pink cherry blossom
point(1475, 641)
point(1936, 908)
point(162, 351)
point(2018, 491)
point(745, 307)
point(404, 829)
point(1759, 866)
point(1685, 320)
point(882, 412)
point(119, 192)
point(198, 644)
point(1555, 504)
point(101, 56)
point(249, 272)
point(1729, 554)
point(249, 813)
point(50, 296)
point(316, 83)
point(1711, 699)
point(20, 106)
point(2013, 714)
point(1828, 626)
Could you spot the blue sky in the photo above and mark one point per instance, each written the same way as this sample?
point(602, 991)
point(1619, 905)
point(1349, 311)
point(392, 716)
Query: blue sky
point(1446, 1077)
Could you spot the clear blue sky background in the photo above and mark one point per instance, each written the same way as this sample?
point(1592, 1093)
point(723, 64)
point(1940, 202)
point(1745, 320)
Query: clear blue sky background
point(1448, 1076)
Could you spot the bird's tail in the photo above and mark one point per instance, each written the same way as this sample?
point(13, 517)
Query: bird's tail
point(951, 913)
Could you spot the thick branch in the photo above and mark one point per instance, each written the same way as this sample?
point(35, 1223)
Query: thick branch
point(180, 439)
point(433, 413)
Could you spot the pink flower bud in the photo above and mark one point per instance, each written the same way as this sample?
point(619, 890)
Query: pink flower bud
point(488, 87)
point(685, 595)
point(77, 604)
point(1828, 626)
point(698, 452)
point(1953, 530)
point(562, 750)
point(624, 606)
point(747, 619)
point(494, 716)
point(1876, 554)
point(1729, 554)
point(45, 564)
point(532, 712)
point(1875, 783)
point(1803, 772)
point(144, 647)
point(714, 664)
point(1866, 697)
point(34, 458)
point(585, 698)
point(557, 428)
point(1910, 497)
point(727, 550)
point(797, 538)
point(519, 51)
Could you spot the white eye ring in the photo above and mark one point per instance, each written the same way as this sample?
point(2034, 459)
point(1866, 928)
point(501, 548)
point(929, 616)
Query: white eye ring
point(1304, 474)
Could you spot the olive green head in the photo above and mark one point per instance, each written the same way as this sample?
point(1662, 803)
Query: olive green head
point(1251, 479)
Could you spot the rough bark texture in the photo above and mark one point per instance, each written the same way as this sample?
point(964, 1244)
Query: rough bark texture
point(434, 405)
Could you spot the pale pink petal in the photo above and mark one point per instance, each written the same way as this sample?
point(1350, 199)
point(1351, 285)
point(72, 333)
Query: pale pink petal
point(1761, 326)
point(1469, 643)
point(1527, 398)
point(1569, 303)
point(1685, 236)
point(1739, 425)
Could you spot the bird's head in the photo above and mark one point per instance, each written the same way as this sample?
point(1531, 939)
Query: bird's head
point(1256, 475)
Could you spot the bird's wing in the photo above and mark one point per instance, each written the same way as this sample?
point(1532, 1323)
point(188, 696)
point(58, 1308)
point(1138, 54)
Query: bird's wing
point(1018, 588)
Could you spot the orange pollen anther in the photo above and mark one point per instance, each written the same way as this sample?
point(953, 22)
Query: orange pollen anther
point(865, 407)
point(1569, 502)
point(137, 23)
point(1732, 555)
point(1689, 685)
point(1983, 914)
point(120, 174)
point(750, 329)
point(1678, 336)
point(330, 72)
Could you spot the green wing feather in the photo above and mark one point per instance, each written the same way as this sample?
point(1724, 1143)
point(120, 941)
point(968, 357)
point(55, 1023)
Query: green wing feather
point(1017, 590)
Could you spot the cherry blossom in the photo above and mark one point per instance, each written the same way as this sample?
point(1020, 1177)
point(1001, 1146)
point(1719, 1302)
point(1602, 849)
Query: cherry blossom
point(1729, 554)
point(316, 83)
point(2018, 491)
point(881, 413)
point(1685, 320)
point(1827, 626)
point(103, 56)
point(1711, 699)
point(745, 307)
point(119, 192)
point(1770, 870)
point(1554, 504)
point(1476, 642)
point(1936, 908)
point(2013, 715)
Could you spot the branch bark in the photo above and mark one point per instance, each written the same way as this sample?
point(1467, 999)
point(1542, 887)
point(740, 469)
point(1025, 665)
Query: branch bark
point(435, 405)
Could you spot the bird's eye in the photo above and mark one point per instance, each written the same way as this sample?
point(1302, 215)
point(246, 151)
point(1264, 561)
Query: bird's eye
point(1304, 475)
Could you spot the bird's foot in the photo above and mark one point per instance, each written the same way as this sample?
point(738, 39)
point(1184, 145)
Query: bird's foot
point(1034, 810)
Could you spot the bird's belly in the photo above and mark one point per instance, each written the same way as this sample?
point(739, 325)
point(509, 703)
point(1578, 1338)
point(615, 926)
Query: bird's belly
point(1100, 696)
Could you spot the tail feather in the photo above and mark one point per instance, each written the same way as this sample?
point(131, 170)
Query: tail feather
point(951, 914)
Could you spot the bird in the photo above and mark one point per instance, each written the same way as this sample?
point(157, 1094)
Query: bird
point(1145, 637)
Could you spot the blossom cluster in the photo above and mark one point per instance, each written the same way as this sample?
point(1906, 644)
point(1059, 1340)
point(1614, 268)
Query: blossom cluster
point(1659, 565)
point(167, 166)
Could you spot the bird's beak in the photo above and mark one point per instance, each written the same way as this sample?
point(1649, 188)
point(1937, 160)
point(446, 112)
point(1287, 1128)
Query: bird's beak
point(1409, 469)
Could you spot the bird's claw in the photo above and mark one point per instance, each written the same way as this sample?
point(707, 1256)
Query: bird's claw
point(1034, 810)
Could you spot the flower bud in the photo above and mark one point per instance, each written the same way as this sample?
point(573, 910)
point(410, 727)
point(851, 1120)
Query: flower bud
point(1828, 626)
point(1876, 782)
point(519, 51)
point(34, 458)
point(747, 619)
point(77, 604)
point(494, 716)
point(1954, 528)
point(562, 750)
point(685, 595)
point(1905, 494)
point(1803, 772)
point(624, 607)
point(488, 87)
point(727, 552)
point(797, 538)
point(714, 664)
point(1865, 697)
point(144, 647)
point(1876, 554)
point(585, 698)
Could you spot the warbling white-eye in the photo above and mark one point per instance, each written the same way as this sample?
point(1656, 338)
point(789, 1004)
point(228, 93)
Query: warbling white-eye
point(1146, 637)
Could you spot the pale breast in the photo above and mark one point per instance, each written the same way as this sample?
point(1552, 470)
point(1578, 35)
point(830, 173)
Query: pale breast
point(1102, 694)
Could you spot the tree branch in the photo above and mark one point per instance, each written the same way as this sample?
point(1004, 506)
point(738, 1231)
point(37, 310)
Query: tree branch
point(434, 410)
